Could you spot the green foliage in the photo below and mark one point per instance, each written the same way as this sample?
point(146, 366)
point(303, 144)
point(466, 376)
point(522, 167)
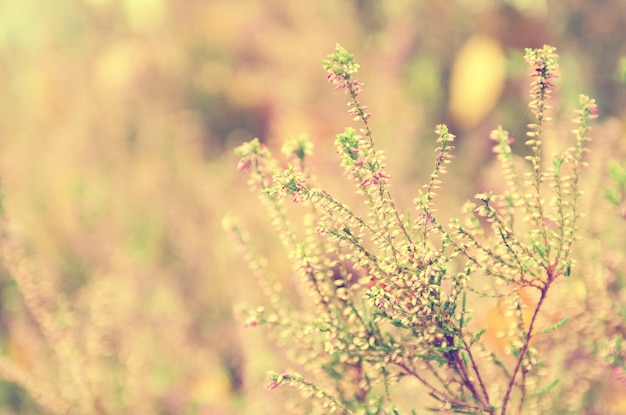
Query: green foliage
point(616, 194)
point(387, 294)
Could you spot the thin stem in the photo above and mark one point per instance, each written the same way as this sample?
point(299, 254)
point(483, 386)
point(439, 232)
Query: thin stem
point(462, 371)
point(476, 371)
point(507, 396)
point(434, 390)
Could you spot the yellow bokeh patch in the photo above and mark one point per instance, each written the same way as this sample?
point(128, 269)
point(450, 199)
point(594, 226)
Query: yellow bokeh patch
point(476, 80)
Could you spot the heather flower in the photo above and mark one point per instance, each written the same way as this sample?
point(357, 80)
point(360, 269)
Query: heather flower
point(389, 295)
point(297, 148)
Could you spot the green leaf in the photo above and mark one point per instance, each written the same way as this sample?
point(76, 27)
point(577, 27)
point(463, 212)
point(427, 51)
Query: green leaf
point(514, 350)
point(538, 249)
point(617, 173)
point(398, 323)
point(568, 269)
point(462, 316)
point(612, 196)
point(545, 389)
point(554, 327)
point(478, 335)
point(332, 372)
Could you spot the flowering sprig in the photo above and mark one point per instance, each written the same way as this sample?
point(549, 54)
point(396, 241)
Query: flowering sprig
point(424, 200)
point(253, 159)
point(544, 64)
point(514, 193)
point(307, 389)
point(341, 67)
point(362, 162)
point(569, 187)
point(289, 183)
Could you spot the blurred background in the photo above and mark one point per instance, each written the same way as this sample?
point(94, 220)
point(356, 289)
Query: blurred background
point(118, 120)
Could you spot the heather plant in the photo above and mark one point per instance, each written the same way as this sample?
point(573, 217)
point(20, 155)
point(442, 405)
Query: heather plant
point(392, 297)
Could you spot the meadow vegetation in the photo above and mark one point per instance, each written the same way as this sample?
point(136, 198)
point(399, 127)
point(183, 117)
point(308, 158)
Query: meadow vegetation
point(118, 120)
